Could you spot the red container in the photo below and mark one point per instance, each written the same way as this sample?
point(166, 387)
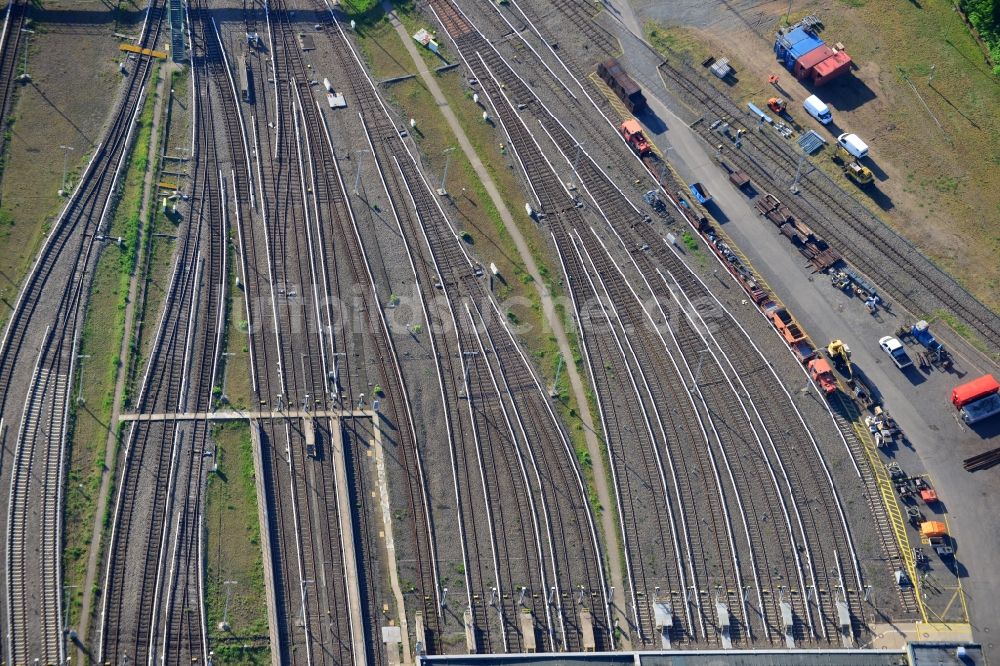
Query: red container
point(803, 66)
point(836, 65)
point(974, 390)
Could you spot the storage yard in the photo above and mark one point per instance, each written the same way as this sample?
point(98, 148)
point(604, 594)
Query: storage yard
point(779, 440)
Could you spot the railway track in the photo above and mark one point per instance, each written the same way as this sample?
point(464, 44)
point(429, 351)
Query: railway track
point(10, 44)
point(458, 277)
point(54, 295)
point(564, 140)
point(788, 439)
point(613, 204)
point(300, 143)
point(555, 202)
point(159, 507)
point(883, 255)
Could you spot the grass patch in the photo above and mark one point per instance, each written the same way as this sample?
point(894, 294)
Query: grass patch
point(473, 210)
point(961, 328)
point(100, 363)
point(233, 552)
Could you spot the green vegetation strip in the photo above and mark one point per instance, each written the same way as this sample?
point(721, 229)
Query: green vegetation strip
point(104, 326)
point(233, 553)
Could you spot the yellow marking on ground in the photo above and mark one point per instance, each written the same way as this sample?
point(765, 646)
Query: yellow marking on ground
point(167, 186)
point(888, 493)
point(132, 48)
point(616, 103)
point(884, 484)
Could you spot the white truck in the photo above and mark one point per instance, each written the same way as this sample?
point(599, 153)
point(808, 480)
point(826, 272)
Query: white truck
point(853, 144)
point(818, 109)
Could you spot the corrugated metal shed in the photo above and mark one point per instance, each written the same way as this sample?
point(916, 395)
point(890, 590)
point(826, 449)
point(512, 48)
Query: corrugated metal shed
point(836, 65)
point(805, 63)
point(792, 37)
point(803, 47)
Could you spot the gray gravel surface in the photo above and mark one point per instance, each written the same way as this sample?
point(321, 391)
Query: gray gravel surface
point(830, 443)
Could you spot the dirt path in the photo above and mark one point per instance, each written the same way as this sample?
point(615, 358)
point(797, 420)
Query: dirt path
point(111, 446)
point(577, 384)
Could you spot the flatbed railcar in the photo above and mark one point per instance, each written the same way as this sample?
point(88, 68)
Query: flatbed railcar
point(612, 73)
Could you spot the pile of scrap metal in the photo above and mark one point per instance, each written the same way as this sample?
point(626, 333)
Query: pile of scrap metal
point(812, 247)
point(883, 427)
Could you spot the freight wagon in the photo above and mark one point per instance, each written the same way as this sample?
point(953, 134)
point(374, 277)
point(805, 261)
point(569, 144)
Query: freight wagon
point(618, 80)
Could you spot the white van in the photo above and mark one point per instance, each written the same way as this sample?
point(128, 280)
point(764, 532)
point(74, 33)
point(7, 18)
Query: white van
point(852, 144)
point(818, 109)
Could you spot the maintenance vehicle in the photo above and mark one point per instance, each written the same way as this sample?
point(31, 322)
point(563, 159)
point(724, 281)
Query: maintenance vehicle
point(822, 374)
point(818, 109)
point(860, 174)
point(840, 354)
point(632, 132)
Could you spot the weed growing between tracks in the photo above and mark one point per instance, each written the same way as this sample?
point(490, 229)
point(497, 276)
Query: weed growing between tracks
point(471, 208)
point(233, 552)
point(74, 84)
point(161, 241)
point(99, 365)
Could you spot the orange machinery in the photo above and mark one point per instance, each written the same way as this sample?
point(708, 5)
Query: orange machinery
point(632, 131)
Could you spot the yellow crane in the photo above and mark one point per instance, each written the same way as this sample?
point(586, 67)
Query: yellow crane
point(841, 356)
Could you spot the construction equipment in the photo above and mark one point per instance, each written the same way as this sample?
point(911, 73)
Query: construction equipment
point(822, 374)
point(841, 356)
point(777, 105)
point(632, 131)
point(138, 50)
point(860, 174)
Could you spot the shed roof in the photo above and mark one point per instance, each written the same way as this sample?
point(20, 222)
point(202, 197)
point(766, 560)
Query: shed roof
point(813, 58)
point(838, 60)
point(804, 46)
point(794, 36)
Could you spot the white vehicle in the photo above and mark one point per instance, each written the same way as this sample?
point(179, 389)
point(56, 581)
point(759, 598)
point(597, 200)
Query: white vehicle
point(818, 109)
point(852, 144)
point(894, 348)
